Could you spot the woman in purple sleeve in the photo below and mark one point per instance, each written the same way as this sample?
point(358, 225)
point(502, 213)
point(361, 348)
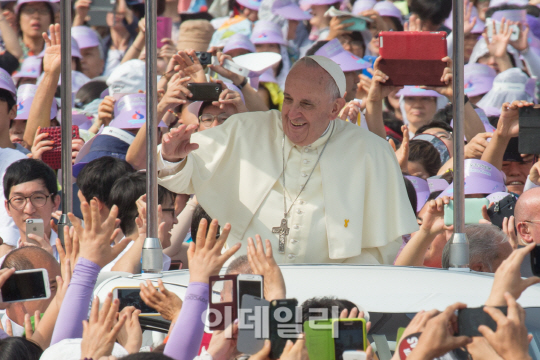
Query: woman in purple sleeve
point(205, 260)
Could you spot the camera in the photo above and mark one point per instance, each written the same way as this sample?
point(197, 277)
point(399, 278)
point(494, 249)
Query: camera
point(205, 58)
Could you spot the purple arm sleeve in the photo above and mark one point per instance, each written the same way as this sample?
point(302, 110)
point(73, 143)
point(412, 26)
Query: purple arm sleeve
point(186, 336)
point(75, 309)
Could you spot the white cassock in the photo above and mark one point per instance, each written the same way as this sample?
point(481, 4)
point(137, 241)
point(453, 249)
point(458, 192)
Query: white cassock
point(353, 209)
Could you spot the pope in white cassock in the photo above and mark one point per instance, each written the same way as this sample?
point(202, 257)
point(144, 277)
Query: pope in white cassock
point(322, 190)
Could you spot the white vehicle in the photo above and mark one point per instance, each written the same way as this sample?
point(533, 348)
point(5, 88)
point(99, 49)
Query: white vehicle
point(392, 295)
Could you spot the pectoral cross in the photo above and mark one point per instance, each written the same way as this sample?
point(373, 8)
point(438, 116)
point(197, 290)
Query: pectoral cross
point(283, 231)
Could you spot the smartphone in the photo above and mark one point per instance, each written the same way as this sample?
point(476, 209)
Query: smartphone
point(26, 285)
point(252, 325)
point(501, 209)
point(205, 92)
point(371, 60)
point(53, 157)
point(98, 12)
point(234, 67)
point(412, 57)
point(249, 285)
point(319, 342)
point(130, 296)
point(348, 334)
point(205, 58)
point(354, 355)
point(354, 24)
point(285, 324)
point(34, 226)
point(473, 211)
point(471, 318)
point(164, 30)
point(535, 260)
point(224, 311)
point(490, 24)
point(529, 130)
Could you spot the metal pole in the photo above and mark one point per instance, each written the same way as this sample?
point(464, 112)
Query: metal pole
point(459, 250)
point(65, 94)
point(152, 261)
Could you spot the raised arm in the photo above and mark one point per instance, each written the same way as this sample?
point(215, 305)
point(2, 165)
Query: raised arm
point(11, 40)
point(39, 112)
point(205, 260)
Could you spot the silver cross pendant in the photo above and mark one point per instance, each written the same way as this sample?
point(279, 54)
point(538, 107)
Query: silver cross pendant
point(283, 231)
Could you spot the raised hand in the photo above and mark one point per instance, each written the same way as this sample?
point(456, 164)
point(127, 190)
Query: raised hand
point(508, 124)
point(499, 41)
point(177, 93)
point(337, 28)
point(42, 242)
point(296, 351)
point(76, 146)
point(469, 22)
point(4, 275)
point(402, 153)
point(223, 343)
point(106, 110)
point(433, 222)
point(377, 92)
point(510, 340)
point(189, 63)
point(231, 97)
point(235, 78)
point(534, 174)
point(164, 301)
point(130, 335)
point(176, 144)
point(478, 144)
point(67, 258)
point(41, 144)
point(351, 111)
point(204, 256)
point(263, 263)
point(508, 278)
point(53, 52)
point(28, 329)
point(447, 79)
point(414, 24)
point(96, 237)
point(100, 331)
point(82, 7)
point(522, 43)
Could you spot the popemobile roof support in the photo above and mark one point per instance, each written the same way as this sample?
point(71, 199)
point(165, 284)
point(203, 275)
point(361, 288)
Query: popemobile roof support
point(152, 254)
point(459, 250)
point(65, 95)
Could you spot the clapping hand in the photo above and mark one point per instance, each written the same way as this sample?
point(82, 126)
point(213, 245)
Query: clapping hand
point(204, 256)
point(100, 331)
point(263, 263)
point(96, 237)
point(164, 301)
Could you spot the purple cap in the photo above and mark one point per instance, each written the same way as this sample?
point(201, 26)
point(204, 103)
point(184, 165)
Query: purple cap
point(387, 8)
point(534, 25)
point(347, 61)
point(289, 10)
point(362, 5)
point(85, 37)
point(238, 41)
point(78, 117)
point(478, 79)
point(422, 191)
point(267, 32)
point(478, 26)
point(268, 76)
point(6, 82)
point(21, 2)
point(495, 3)
point(25, 96)
point(480, 178)
point(75, 50)
point(130, 112)
point(306, 4)
point(510, 15)
point(498, 196)
point(30, 68)
point(417, 91)
point(437, 143)
point(250, 4)
point(436, 183)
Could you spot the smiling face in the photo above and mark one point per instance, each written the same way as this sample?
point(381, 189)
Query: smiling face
point(308, 106)
point(516, 175)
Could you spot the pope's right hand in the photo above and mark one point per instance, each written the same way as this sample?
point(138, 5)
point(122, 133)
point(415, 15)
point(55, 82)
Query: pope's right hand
point(176, 145)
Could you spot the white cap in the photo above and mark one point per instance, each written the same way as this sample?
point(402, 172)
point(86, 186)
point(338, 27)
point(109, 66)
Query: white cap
point(128, 78)
point(333, 70)
point(70, 349)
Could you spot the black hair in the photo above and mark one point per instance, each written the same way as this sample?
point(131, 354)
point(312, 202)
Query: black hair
point(492, 10)
point(425, 153)
point(411, 193)
point(7, 97)
point(125, 192)
point(26, 170)
point(315, 47)
point(435, 124)
point(51, 13)
point(434, 195)
point(98, 176)
point(18, 348)
point(532, 10)
point(493, 120)
point(324, 303)
point(444, 115)
point(435, 11)
point(198, 215)
point(90, 92)
point(397, 23)
point(357, 36)
point(204, 105)
point(147, 356)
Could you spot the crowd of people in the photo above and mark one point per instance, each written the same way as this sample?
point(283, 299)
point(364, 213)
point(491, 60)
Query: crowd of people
point(306, 147)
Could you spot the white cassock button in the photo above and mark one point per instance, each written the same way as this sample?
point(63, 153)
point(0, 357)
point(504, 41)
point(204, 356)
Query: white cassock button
point(294, 241)
point(306, 161)
point(299, 212)
point(302, 202)
point(296, 227)
point(291, 256)
point(306, 149)
point(304, 174)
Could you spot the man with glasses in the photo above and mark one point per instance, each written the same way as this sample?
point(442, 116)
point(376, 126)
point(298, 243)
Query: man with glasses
point(31, 192)
point(527, 215)
point(212, 114)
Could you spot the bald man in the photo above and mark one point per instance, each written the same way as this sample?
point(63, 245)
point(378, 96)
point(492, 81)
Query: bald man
point(27, 258)
point(527, 214)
